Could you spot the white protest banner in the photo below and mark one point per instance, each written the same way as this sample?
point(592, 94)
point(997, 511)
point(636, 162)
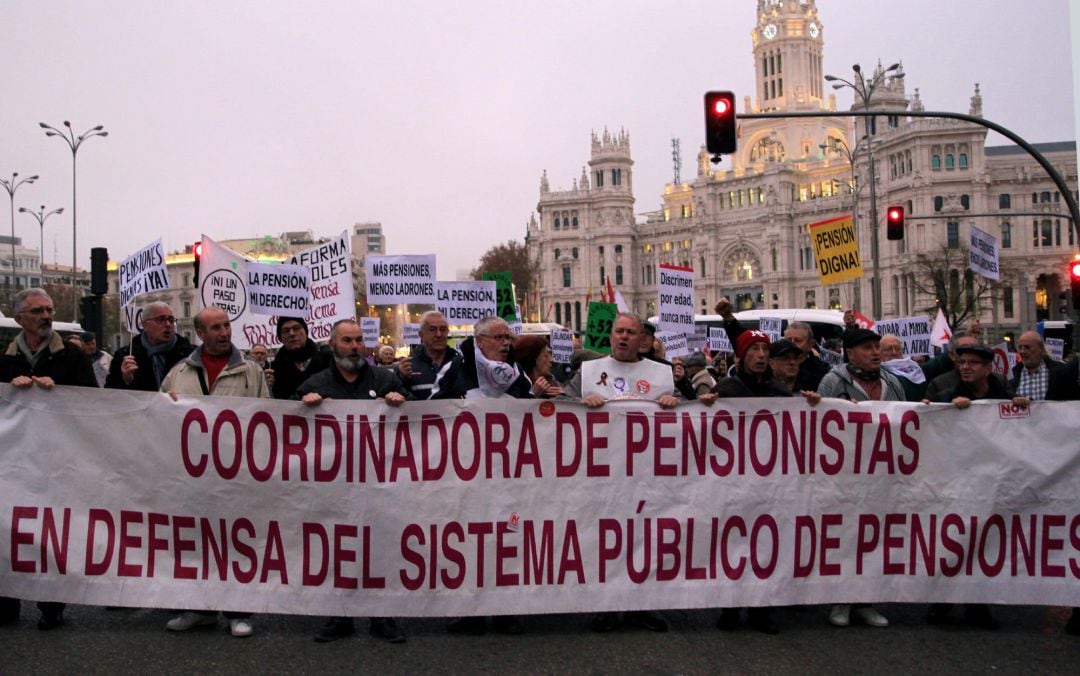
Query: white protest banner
point(224, 280)
point(465, 303)
point(516, 328)
point(831, 358)
point(369, 330)
point(676, 291)
point(142, 272)
point(913, 332)
point(696, 342)
point(332, 294)
point(394, 280)
point(434, 509)
point(278, 289)
point(1004, 360)
point(1055, 347)
point(772, 327)
point(718, 339)
point(411, 334)
point(674, 344)
point(562, 346)
point(133, 315)
point(940, 333)
point(983, 254)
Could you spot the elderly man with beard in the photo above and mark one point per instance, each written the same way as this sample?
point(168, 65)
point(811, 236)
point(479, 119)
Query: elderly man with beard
point(906, 369)
point(625, 375)
point(351, 377)
point(217, 368)
point(860, 379)
point(142, 365)
point(38, 356)
point(1031, 376)
point(297, 359)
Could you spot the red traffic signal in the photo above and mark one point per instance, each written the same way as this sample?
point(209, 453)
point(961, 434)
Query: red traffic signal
point(1074, 281)
point(894, 222)
point(196, 250)
point(1074, 271)
point(720, 122)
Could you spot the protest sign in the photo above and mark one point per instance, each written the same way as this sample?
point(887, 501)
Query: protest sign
point(411, 334)
point(437, 509)
point(142, 272)
point(369, 329)
point(773, 327)
point(983, 254)
point(332, 294)
point(598, 324)
point(675, 344)
point(278, 289)
point(394, 280)
point(913, 332)
point(506, 305)
point(676, 291)
point(718, 339)
point(562, 346)
point(465, 303)
point(836, 250)
point(1055, 347)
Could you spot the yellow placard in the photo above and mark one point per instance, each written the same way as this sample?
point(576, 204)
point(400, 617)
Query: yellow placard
point(836, 250)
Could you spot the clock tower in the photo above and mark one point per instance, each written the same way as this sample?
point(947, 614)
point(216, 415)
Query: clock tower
point(788, 41)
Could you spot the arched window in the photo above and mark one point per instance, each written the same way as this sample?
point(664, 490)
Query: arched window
point(577, 314)
point(935, 162)
point(618, 274)
point(1006, 235)
point(557, 252)
point(939, 202)
point(950, 163)
point(963, 161)
point(558, 313)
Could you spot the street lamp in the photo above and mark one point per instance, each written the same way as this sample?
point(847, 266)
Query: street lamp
point(11, 186)
point(73, 143)
point(840, 147)
point(41, 217)
point(864, 89)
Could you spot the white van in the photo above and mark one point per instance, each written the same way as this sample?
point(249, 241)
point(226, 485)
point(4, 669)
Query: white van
point(9, 329)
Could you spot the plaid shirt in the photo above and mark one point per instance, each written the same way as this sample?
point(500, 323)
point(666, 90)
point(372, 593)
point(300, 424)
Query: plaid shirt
point(1034, 385)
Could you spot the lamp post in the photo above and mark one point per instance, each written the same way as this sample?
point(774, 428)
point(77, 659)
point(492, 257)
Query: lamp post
point(41, 217)
point(73, 143)
point(864, 89)
point(11, 186)
point(840, 147)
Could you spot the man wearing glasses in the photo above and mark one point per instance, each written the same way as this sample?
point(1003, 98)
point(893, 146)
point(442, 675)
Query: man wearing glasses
point(38, 356)
point(143, 364)
point(434, 372)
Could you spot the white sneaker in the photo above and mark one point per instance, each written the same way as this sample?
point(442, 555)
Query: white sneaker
point(840, 615)
point(871, 617)
point(241, 628)
point(188, 620)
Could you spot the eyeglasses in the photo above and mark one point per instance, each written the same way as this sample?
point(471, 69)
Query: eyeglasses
point(42, 310)
point(162, 319)
point(507, 337)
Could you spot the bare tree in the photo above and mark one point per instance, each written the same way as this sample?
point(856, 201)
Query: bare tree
point(943, 274)
point(513, 257)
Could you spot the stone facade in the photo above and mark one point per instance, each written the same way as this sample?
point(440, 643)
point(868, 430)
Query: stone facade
point(743, 229)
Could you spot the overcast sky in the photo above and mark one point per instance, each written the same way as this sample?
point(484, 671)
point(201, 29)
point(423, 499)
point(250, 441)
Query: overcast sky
point(240, 119)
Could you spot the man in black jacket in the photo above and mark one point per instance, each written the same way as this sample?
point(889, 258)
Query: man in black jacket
point(143, 364)
point(298, 359)
point(351, 377)
point(38, 356)
point(435, 371)
point(1032, 374)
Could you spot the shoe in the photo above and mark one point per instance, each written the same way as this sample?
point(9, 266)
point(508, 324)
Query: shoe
point(335, 628)
point(647, 619)
point(938, 613)
point(603, 623)
point(871, 617)
point(473, 626)
point(1072, 627)
point(386, 629)
point(189, 620)
point(978, 615)
point(507, 624)
point(728, 620)
point(840, 615)
point(760, 619)
point(50, 619)
point(241, 628)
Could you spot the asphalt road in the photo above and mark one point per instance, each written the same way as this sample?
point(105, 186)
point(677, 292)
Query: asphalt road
point(99, 641)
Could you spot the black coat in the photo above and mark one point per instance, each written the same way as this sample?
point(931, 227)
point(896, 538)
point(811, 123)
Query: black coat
point(144, 379)
point(63, 362)
point(288, 377)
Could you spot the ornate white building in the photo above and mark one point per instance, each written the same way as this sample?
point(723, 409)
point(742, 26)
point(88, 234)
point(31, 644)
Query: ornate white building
point(743, 230)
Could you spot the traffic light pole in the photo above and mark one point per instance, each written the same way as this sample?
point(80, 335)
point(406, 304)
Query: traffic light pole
point(1070, 201)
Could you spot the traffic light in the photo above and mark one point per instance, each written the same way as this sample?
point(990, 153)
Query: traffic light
point(720, 122)
point(894, 222)
point(90, 311)
point(196, 250)
point(1074, 281)
point(99, 274)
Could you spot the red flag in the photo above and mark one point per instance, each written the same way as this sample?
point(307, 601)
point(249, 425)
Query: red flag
point(610, 292)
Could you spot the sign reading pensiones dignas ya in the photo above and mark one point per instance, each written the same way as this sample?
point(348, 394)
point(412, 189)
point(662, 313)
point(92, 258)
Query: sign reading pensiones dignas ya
point(444, 508)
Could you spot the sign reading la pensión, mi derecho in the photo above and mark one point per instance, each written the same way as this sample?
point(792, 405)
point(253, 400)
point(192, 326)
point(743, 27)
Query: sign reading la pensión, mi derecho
point(445, 508)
